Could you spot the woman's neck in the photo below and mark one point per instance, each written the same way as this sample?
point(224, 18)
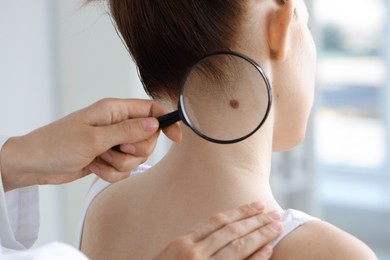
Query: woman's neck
point(231, 174)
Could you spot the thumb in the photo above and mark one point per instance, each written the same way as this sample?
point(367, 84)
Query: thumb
point(128, 131)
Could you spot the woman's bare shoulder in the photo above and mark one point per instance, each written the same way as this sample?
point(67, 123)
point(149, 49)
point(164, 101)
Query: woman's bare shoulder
point(320, 240)
point(107, 216)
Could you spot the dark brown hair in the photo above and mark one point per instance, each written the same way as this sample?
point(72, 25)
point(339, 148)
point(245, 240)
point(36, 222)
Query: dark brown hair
point(166, 37)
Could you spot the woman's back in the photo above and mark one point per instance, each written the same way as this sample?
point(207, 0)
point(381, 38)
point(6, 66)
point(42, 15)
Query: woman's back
point(136, 218)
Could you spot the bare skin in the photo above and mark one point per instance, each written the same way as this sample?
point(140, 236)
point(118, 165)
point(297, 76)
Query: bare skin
point(236, 234)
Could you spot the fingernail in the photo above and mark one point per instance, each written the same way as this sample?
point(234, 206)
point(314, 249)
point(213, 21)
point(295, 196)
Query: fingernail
point(275, 215)
point(128, 148)
point(106, 157)
point(150, 124)
point(259, 206)
point(277, 226)
point(94, 169)
point(266, 251)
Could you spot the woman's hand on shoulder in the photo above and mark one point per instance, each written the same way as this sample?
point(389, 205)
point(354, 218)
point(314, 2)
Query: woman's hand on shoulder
point(236, 234)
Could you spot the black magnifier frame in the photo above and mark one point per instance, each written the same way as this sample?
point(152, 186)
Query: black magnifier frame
point(180, 113)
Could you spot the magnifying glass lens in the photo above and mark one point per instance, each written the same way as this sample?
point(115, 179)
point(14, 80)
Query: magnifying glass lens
point(225, 98)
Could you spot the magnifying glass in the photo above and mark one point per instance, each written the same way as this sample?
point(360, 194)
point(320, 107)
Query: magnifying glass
point(224, 98)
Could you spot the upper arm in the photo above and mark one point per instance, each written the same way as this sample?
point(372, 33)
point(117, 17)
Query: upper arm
point(93, 230)
point(320, 240)
point(100, 226)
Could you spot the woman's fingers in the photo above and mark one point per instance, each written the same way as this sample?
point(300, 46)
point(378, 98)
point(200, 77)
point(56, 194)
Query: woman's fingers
point(243, 238)
point(247, 245)
point(263, 254)
point(221, 219)
point(234, 234)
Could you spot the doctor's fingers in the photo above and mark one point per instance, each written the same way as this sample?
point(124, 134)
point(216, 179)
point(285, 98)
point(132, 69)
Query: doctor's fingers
point(126, 132)
point(173, 132)
point(143, 148)
point(131, 155)
point(111, 174)
point(113, 166)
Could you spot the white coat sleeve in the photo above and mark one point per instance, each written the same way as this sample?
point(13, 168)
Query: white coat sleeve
point(55, 250)
point(19, 215)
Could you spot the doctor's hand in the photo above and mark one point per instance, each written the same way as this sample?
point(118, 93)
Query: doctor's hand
point(242, 233)
point(81, 143)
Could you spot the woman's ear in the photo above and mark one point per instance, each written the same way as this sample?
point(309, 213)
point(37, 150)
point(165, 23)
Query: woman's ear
point(278, 29)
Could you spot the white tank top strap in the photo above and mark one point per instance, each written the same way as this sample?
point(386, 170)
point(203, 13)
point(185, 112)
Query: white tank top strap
point(292, 219)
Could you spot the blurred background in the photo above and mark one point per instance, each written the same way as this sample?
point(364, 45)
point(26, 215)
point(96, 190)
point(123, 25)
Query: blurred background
point(59, 56)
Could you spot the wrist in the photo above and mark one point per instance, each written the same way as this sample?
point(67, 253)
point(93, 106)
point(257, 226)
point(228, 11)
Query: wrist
point(12, 170)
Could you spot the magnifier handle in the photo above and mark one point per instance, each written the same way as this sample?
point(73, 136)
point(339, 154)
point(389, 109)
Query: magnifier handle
point(164, 121)
point(168, 119)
